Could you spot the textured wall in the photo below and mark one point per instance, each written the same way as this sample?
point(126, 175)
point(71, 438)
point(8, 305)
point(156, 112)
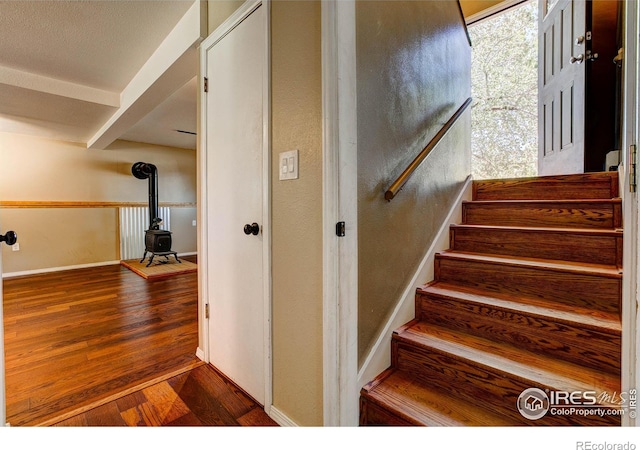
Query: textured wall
point(36, 169)
point(219, 11)
point(297, 211)
point(413, 72)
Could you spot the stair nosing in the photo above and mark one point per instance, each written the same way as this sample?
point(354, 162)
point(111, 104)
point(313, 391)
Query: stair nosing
point(600, 270)
point(419, 413)
point(606, 232)
point(447, 290)
point(546, 201)
point(500, 364)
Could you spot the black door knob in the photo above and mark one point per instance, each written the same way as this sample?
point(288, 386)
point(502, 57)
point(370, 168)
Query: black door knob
point(254, 229)
point(10, 238)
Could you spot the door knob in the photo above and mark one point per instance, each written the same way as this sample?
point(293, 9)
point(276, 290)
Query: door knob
point(10, 238)
point(577, 59)
point(254, 229)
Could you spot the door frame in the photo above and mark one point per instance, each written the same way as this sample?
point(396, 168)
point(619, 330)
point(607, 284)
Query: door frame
point(631, 206)
point(3, 400)
point(203, 249)
point(340, 204)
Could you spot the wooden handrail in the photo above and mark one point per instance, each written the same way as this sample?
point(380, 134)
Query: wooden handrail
point(402, 179)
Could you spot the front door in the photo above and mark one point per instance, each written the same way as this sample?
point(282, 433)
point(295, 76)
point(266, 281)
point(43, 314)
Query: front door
point(234, 124)
point(561, 86)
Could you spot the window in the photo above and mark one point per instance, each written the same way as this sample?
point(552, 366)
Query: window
point(504, 86)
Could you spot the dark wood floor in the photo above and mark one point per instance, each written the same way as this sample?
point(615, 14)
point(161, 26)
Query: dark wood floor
point(81, 338)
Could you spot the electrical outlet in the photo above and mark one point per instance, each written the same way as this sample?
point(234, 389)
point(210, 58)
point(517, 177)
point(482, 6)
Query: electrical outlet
point(193, 223)
point(16, 247)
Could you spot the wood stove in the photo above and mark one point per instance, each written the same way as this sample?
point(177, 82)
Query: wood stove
point(157, 242)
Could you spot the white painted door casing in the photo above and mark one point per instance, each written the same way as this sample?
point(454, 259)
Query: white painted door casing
point(3, 401)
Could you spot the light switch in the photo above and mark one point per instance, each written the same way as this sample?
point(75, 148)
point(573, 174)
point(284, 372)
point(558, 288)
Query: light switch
point(289, 165)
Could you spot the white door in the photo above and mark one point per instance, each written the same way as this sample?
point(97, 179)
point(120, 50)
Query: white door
point(561, 86)
point(234, 172)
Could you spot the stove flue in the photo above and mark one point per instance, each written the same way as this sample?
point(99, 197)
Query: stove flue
point(157, 242)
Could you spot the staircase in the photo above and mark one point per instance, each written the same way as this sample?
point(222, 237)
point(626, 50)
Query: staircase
point(528, 296)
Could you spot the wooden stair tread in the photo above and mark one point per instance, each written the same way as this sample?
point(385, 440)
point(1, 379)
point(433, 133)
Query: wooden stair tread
point(576, 186)
point(597, 320)
point(541, 370)
point(418, 404)
point(544, 201)
point(603, 270)
point(554, 230)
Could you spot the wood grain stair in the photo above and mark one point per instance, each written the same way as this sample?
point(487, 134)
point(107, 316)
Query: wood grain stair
point(528, 296)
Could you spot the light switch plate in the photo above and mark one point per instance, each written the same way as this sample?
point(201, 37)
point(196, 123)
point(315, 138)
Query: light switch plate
point(288, 167)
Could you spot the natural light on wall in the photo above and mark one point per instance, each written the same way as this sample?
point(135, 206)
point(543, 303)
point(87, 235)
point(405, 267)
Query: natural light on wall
point(504, 84)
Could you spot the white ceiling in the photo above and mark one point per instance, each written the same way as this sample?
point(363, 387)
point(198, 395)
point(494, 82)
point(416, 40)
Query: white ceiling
point(88, 71)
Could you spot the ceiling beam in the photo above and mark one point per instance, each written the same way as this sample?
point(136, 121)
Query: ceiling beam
point(171, 66)
point(25, 80)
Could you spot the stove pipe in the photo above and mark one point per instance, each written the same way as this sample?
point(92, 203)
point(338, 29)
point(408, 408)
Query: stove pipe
point(144, 171)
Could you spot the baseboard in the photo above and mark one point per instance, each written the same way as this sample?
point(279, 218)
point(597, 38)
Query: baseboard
point(72, 267)
point(379, 358)
point(200, 354)
point(58, 269)
point(280, 418)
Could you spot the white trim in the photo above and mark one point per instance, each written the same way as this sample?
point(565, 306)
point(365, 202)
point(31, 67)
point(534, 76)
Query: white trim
point(200, 354)
point(266, 209)
point(225, 28)
point(58, 269)
point(281, 419)
point(631, 128)
point(340, 254)
point(495, 9)
point(3, 398)
point(379, 358)
point(73, 267)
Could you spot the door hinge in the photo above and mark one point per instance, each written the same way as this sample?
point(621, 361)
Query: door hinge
point(340, 229)
point(206, 311)
point(206, 84)
point(633, 168)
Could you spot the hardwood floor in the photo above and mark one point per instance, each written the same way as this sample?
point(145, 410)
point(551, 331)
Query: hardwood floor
point(80, 338)
point(199, 397)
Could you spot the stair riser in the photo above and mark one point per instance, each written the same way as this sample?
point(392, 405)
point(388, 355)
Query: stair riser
point(599, 293)
point(563, 187)
point(532, 214)
point(569, 342)
point(566, 246)
point(476, 383)
point(373, 414)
